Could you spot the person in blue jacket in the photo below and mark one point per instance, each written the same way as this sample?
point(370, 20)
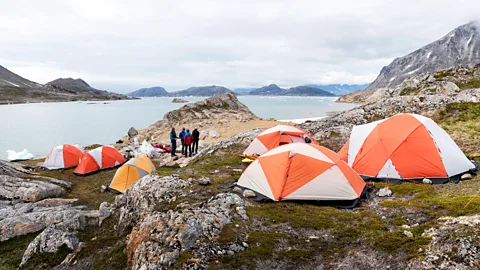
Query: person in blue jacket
point(182, 136)
point(173, 140)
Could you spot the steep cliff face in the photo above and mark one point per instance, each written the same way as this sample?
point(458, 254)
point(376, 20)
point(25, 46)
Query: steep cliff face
point(459, 47)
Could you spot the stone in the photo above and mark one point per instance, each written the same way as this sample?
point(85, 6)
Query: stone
point(132, 132)
point(179, 100)
point(103, 188)
point(49, 241)
point(427, 181)
point(247, 193)
point(466, 176)
point(408, 233)
point(204, 181)
point(175, 231)
point(105, 210)
point(385, 192)
point(28, 190)
point(237, 189)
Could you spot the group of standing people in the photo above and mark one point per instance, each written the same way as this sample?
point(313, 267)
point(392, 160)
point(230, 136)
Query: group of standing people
point(189, 141)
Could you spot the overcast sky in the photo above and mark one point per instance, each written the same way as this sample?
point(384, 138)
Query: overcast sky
point(123, 45)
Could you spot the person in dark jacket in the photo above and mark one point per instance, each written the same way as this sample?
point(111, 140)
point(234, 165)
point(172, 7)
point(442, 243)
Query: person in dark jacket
point(196, 138)
point(188, 139)
point(181, 136)
point(173, 140)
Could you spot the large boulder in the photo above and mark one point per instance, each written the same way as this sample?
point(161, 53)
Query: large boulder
point(132, 132)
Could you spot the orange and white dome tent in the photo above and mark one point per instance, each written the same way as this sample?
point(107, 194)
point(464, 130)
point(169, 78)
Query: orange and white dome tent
point(276, 136)
point(300, 171)
point(99, 158)
point(63, 156)
point(405, 147)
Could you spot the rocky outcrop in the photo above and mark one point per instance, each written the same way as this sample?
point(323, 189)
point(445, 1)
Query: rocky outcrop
point(444, 82)
point(145, 195)
point(49, 241)
point(14, 188)
point(459, 47)
point(157, 241)
point(222, 147)
point(18, 218)
point(201, 91)
point(454, 245)
point(83, 89)
point(225, 107)
point(155, 91)
point(132, 132)
point(335, 129)
point(179, 100)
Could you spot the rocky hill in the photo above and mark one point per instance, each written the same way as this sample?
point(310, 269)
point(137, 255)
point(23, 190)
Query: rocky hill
point(83, 89)
point(204, 114)
point(202, 91)
point(340, 89)
point(459, 47)
point(274, 90)
point(156, 91)
point(447, 81)
point(15, 89)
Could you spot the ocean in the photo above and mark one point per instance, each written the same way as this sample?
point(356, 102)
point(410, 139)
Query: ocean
point(38, 127)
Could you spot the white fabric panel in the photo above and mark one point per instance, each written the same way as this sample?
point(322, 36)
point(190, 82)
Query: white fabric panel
point(299, 148)
point(253, 178)
point(78, 147)
point(256, 147)
point(97, 155)
point(296, 139)
point(421, 119)
point(330, 185)
point(389, 170)
point(357, 138)
point(281, 128)
point(454, 160)
point(55, 159)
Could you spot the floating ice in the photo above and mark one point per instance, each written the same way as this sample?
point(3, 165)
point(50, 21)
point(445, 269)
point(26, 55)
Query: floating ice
point(23, 155)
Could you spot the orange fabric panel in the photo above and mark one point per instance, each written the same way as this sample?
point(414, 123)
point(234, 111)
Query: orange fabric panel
point(355, 180)
point(125, 177)
point(343, 153)
point(270, 140)
point(87, 165)
point(384, 139)
point(302, 170)
point(418, 156)
point(275, 168)
point(71, 156)
point(285, 139)
point(144, 163)
point(110, 156)
point(292, 133)
point(308, 135)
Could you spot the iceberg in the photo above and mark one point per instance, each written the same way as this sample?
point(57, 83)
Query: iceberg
point(22, 155)
point(145, 149)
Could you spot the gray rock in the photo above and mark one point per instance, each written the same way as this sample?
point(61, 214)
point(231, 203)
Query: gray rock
point(49, 241)
point(173, 231)
point(28, 190)
point(132, 132)
point(204, 181)
point(427, 181)
point(408, 233)
point(466, 176)
point(385, 192)
point(247, 193)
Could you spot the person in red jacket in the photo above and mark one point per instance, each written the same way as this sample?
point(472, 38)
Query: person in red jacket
point(187, 140)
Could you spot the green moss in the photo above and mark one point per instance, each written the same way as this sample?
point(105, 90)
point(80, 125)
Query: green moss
point(11, 251)
point(297, 253)
point(409, 91)
point(471, 84)
point(442, 74)
point(228, 234)
point(406, 188)
point(116, 258)
point(92, 146)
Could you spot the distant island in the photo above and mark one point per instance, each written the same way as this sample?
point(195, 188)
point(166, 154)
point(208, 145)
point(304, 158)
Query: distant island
point(270, 90)
point(16, 89)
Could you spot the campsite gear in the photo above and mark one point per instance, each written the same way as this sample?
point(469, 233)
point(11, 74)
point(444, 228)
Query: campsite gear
point(63, 157)
point(405, 147)
point(162, 147)
point(196, 138)
point(130, 172)
point(27, 169)
point(247, 160)
point(252, 156)
point(99, 158)
point(275, 136)
point(300, 171)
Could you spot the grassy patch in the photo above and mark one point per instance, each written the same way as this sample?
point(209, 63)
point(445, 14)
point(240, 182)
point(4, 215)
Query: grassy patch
point(47, 260)
point(11, 251)
point(115, 258)
point(405, 189)
point(471, 84)
point(409, 91)
point(442, 74)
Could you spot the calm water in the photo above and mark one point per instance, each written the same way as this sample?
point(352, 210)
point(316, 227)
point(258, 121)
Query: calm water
point(41, 126)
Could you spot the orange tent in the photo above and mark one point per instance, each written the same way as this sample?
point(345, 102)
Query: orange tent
point(63, 156)
point(275, 136)
point(130, 172)
point(99, 158)
point(405, 147)
point(300, 171)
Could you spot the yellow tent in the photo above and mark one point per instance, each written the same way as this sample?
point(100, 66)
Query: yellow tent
point(131, 172)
